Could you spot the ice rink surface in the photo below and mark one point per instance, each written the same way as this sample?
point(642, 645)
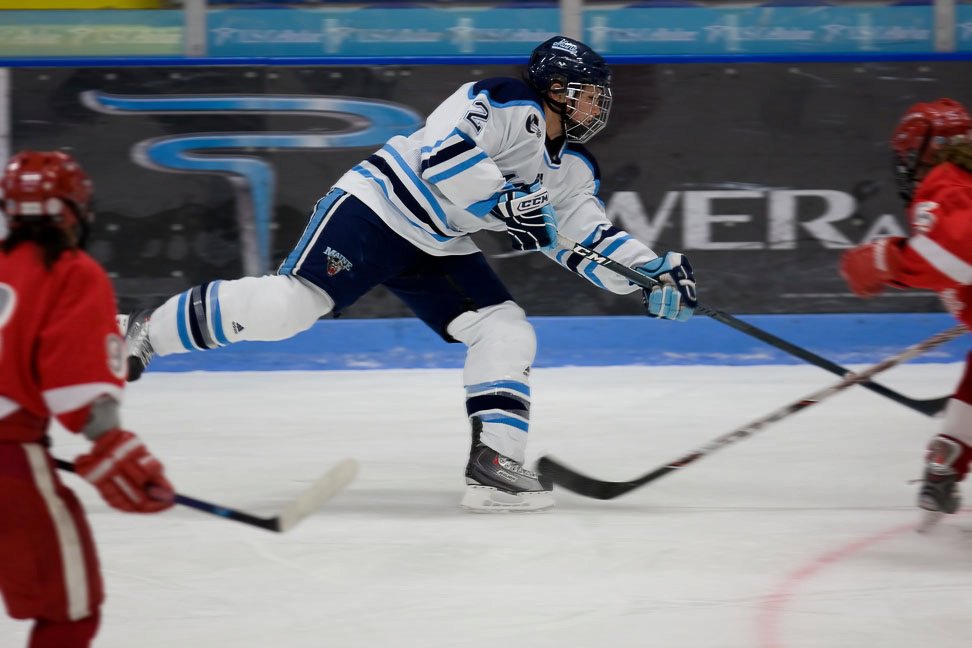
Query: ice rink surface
point(801, 536)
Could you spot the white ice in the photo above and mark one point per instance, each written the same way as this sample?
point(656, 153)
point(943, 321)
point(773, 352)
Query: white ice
point(801, 536)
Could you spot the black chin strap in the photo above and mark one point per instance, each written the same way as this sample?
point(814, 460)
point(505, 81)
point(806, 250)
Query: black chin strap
point(81, 231)
point(908, 166)
point(560, 109)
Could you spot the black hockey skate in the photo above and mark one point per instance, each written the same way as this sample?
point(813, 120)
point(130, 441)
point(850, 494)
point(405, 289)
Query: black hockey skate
point(495, 482)
point(140, 351)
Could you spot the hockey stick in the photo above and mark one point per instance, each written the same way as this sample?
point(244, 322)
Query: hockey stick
point(590, 487)
point(929, 407)
point(326, 487)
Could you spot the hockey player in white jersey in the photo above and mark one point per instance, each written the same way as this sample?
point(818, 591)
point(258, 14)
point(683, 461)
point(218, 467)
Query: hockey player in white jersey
point(499, 154)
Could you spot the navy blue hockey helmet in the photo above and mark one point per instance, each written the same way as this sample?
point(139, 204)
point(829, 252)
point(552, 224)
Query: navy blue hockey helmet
point(567, 65)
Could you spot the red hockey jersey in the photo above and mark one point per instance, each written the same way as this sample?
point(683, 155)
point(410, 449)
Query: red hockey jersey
point(60, 346)
point(938, 254)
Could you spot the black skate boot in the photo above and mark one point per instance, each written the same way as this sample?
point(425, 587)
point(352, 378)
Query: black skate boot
point(939, 494)
point(140, 349)
point(495, 482)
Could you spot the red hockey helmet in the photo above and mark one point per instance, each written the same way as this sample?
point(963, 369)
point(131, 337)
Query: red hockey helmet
point(46, 185)
point(922, 131)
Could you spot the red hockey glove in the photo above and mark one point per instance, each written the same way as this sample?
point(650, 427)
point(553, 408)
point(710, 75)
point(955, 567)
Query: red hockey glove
point(128, 476)
point(868, 268)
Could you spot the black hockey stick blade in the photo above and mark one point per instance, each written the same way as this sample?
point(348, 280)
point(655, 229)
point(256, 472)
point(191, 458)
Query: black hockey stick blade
point(576, 482)
point(929, 407)
point(327, 486)
point(601, 489)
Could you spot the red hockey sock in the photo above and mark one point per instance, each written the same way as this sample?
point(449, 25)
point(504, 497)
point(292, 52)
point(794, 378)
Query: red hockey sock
point(64, 634)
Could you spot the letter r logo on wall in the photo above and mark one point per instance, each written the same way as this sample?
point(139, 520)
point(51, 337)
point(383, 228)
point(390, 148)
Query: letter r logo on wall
point(252, 178)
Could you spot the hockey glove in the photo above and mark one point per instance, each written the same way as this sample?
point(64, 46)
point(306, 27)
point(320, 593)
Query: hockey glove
point(673, 298)
point(529, 218)
point(126, 474)
point(868, 268)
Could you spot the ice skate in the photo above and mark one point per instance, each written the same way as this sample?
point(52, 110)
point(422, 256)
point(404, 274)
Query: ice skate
point(939, 495)
point(140, 349)
point(495, 482)
point(938, 498)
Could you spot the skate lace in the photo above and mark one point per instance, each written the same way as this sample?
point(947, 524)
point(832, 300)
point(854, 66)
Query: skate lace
point(513, 466)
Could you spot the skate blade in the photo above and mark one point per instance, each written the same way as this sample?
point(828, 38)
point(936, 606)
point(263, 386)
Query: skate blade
point(929, 521)
point(486, 499)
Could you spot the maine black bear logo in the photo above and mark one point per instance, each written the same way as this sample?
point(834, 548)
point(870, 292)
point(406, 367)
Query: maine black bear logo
point(336, 262)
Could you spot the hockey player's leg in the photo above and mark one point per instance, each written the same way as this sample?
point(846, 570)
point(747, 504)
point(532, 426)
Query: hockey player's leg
point(501, 347)
point(218, 313)
point(49, 568)
point(949, 455)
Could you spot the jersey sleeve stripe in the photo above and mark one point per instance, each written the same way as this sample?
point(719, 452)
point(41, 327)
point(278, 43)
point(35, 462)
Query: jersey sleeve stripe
point(941, 259)
point(616, 243)
point(483, 207)
point(67, 399)
point(7, 406)
point(417, 185)
point(457, 168)
point(404, 197)
point(362, 170)
point(589, 274)
point(585, 267)
point(454, 146)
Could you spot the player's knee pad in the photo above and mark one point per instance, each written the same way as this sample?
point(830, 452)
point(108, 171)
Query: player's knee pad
point(268, 308)
point(502, 343)
point(273, 307)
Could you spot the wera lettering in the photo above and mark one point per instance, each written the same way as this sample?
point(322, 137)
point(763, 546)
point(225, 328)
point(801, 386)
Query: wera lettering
point(787, 219)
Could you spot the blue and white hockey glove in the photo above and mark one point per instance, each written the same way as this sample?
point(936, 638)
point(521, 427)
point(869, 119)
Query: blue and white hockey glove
point(530, 220)
point(673, 298)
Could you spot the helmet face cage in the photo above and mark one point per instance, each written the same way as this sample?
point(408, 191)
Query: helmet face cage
point(923, 130)
point(564, 65)
point(45, 186)
point(586, 110)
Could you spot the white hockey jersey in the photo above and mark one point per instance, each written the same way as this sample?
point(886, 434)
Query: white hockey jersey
point(440, 183)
